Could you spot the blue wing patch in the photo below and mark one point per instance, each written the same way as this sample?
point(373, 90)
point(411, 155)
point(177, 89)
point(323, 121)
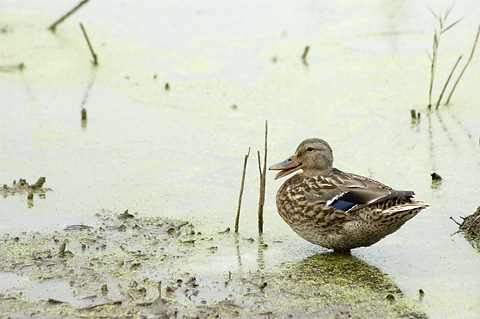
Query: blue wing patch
point(342, 204)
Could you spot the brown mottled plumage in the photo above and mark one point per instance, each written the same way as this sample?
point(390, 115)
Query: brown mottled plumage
point(335, 209)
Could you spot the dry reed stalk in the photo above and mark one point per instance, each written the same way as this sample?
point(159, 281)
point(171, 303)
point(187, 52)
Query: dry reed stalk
point(263, 180)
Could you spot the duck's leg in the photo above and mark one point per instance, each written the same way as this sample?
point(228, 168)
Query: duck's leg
point(343, 251)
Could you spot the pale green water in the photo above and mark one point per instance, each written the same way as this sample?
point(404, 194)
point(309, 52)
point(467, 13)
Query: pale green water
point(180, 153)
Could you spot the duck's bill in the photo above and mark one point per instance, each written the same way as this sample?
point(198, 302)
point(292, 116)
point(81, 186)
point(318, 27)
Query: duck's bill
point(286, 167)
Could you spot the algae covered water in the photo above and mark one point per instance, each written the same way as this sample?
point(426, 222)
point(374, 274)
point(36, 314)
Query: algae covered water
point(172, 156)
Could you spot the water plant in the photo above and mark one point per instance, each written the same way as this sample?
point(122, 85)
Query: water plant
point(442, 28)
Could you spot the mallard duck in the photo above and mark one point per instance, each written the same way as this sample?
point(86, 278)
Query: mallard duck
point(335, 209)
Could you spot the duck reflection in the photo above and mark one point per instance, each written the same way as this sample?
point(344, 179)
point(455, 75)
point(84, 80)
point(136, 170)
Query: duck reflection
point(341, 284)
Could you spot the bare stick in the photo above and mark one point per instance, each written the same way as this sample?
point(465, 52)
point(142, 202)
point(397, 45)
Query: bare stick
point(466, 65)
point(304, 56)
point(95, 61)
point(237, 219)
point(263, 180)
point(66, 15)
point(446, 83)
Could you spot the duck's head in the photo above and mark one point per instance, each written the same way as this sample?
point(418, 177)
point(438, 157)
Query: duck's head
point(313, 155)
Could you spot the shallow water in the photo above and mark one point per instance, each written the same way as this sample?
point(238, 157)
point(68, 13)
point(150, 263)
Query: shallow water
point(179, 153)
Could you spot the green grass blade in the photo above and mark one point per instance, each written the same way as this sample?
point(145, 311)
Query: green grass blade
point(434, 14)
point(452, 25)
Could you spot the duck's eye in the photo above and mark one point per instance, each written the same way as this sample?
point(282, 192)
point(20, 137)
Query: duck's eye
point(309, 148)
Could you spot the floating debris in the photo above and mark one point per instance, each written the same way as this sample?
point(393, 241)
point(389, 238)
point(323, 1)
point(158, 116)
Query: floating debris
point(22, 187)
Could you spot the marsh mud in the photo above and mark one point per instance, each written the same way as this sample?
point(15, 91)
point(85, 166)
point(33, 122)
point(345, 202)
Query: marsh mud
point(129, 266)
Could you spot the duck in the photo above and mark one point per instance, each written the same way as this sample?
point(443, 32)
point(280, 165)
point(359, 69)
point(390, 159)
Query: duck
point(336, 209)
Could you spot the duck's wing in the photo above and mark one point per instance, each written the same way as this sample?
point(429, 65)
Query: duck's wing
point(350, 192)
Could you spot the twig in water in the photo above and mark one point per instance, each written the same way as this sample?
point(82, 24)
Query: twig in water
point(466, 65)
point(95, 61)
point(455, 221)
point(304, 56)
point(446, 82)
point(66, 15)
point(263, 180)
point(237, 219)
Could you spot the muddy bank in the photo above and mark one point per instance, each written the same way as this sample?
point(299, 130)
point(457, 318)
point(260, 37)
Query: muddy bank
point(129, 266)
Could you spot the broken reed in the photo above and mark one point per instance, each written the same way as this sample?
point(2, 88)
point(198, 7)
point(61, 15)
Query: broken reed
point(237, 219)
point(66, 15)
